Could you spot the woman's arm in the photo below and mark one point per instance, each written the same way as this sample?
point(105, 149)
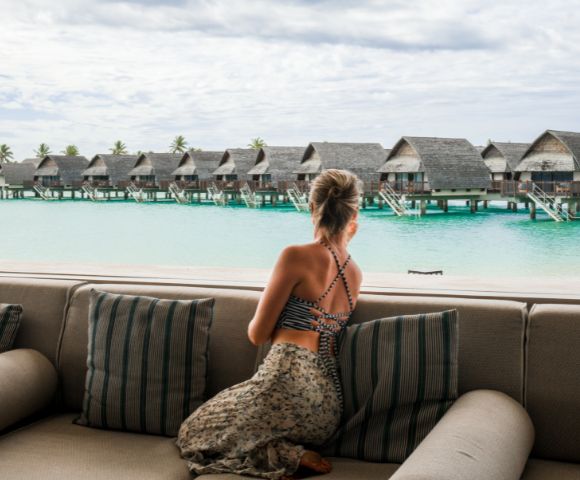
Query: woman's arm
point(285, 276)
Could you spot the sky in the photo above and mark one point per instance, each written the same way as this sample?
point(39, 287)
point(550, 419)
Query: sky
point(223, 72)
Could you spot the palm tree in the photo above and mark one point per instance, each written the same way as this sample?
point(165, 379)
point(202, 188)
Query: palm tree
point(71, 150)
point(5, 153)
point(257, 143)
point(119, 148)
point(179, 144)
point(42, 151)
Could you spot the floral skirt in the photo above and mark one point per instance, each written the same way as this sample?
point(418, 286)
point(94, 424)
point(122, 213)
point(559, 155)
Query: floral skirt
point(262, 426)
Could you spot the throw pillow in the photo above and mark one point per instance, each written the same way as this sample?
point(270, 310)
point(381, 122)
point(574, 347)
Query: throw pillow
point(399, 376)
point(146, 363)
point(9, 323)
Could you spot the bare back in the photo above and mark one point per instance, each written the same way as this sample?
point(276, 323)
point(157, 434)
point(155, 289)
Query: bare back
point(320, 272)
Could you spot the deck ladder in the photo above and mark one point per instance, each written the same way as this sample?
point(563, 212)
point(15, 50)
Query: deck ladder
point(298, 198)
point(549, 204)
point(135, 192)
point(91, 192)
point(217, 195)
point(43, 191)
point(178, 193)
point(248, 196)
point(394, 200)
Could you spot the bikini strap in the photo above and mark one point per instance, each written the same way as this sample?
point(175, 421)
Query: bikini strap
point(339, 274)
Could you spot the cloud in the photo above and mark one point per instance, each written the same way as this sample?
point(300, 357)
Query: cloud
point(220, 73)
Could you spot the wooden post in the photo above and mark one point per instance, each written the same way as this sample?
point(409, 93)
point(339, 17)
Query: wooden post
point(533, 211)
point(509, 205)
point(423, 207)
point(380, 204)
point(526, 205)
point(472, 207)
point(514, 207)
point(413, 204)
point(445, 206)
point(485, 204)
point(466, 203)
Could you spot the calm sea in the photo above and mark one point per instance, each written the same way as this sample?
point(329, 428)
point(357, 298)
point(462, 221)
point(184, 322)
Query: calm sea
point(491, 242)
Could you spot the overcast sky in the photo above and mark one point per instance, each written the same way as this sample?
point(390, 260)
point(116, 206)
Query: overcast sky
point(222, 72)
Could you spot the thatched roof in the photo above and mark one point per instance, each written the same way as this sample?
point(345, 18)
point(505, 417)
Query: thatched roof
point(116, 167)
point(160, 165)
point(198, 163)
point(34, 161)
point(278, 162)
point(503, 157)
point(552, 151)
point(450, 163)
point(236, 161)
point(17, 173)
point(363, 159)
point(68, 167)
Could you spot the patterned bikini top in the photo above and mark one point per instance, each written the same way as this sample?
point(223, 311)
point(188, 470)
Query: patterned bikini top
point(297, 314)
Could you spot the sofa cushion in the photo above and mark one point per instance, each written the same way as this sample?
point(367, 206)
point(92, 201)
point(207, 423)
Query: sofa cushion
point(490, 354)
point(342, 469)
point(57, 449)
point(399, 377)
point(553, 380)
point(231, 355)
point(43, 303)
point(9, 323)
point(147, 362)
point(537, 469)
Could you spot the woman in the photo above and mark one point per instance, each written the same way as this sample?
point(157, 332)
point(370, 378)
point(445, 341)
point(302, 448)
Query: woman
point(266, 426)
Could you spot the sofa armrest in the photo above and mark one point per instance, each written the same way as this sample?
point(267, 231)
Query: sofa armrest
point(484, 434)
point(27, 383)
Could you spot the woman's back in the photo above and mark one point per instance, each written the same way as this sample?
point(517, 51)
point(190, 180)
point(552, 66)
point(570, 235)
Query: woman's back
point(324, 297)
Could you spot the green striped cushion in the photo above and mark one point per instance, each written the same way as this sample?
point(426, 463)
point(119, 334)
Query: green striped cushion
point(9, 323)
point(399, 376)
point(146, 363)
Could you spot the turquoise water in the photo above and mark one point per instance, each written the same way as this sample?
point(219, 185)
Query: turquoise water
point(491, 242)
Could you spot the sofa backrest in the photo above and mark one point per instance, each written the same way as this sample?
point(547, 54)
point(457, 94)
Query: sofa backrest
point(231, 355)
point(43, 303)
point(552, 381)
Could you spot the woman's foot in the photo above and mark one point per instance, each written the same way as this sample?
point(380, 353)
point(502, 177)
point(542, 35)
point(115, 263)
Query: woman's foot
point(314, 461)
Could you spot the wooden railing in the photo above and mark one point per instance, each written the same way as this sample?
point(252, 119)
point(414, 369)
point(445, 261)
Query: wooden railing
point(515, 187)
point(410, 187)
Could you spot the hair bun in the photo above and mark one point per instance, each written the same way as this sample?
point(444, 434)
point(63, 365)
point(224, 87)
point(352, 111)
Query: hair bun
point(334, 192)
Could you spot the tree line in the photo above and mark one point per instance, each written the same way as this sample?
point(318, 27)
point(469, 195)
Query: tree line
point(178, 145)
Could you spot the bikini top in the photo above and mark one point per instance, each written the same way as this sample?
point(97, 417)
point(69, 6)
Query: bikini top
point(297, 314)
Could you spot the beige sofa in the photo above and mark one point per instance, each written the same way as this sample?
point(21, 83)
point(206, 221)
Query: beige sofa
point(509, 356)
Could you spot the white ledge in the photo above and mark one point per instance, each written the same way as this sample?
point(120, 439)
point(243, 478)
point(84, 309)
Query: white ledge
point(541, 289)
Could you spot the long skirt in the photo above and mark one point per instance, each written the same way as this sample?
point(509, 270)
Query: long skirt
point(262, 426)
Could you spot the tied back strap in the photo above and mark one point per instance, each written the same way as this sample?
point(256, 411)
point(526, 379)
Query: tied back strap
point(341, 274)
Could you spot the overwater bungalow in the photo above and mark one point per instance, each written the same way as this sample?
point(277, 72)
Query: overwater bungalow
point(16, 174)
point(109, 170)
point(235, 164)
point(552, 162)
point(360, 158)
point(196, 166)
point(60, 170)
point(502, 158)
point(276, 165)
point(154, 169)
point(440, 166)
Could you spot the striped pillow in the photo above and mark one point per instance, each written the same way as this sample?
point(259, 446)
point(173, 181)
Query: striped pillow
point(399, 376)
point(9, 323)
point(146, 363)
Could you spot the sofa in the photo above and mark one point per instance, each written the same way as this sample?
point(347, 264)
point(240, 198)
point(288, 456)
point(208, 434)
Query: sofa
point(519, 386)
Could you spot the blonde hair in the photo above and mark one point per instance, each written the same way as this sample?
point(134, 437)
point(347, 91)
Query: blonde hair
point(333, 199)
